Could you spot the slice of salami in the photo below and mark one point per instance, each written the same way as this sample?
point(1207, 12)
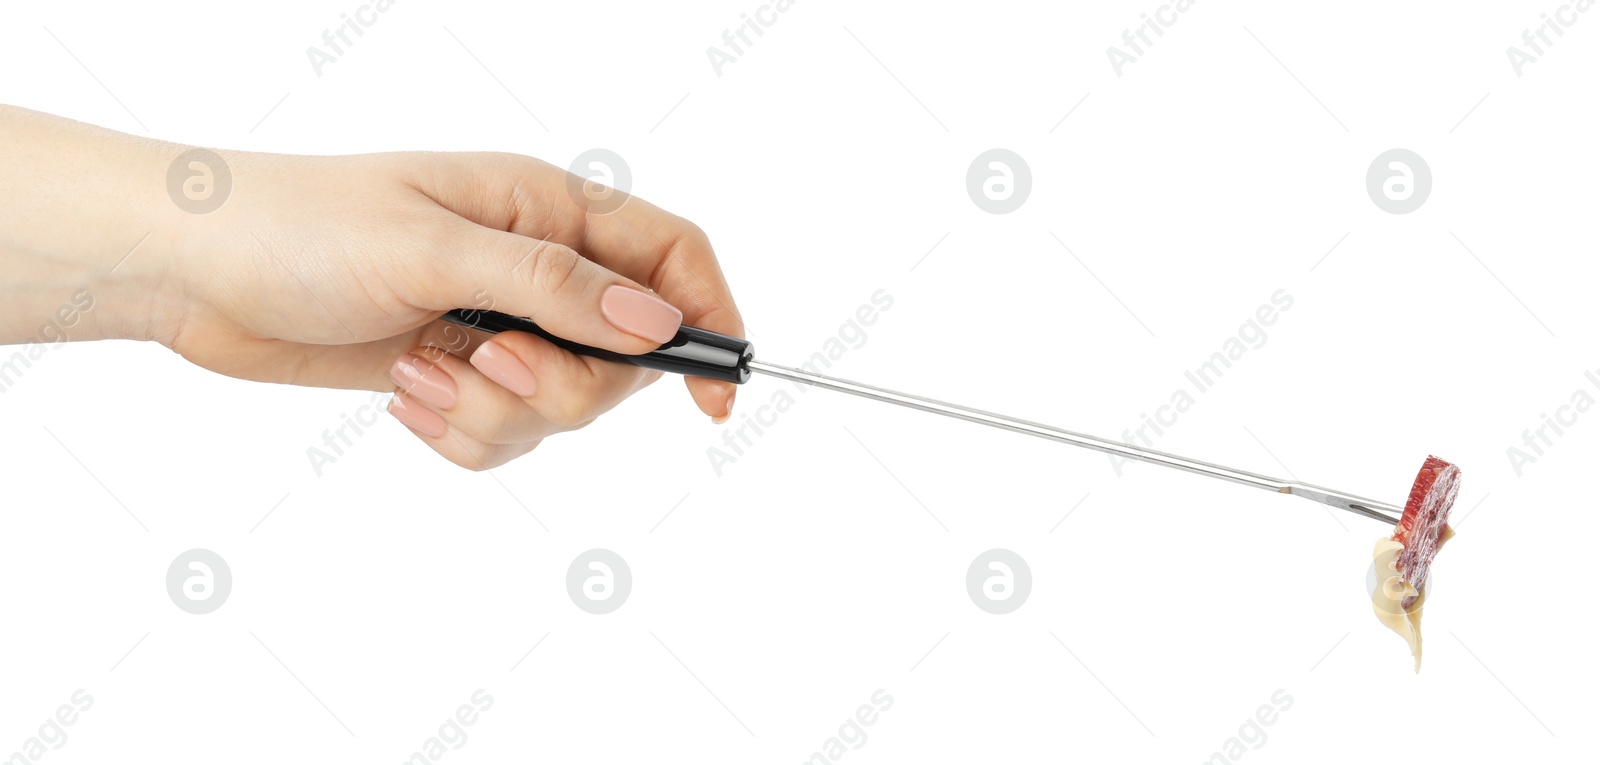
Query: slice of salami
point(1424, 524)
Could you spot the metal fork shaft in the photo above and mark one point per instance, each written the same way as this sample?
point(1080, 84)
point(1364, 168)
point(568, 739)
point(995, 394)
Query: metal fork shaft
point(1359, 505)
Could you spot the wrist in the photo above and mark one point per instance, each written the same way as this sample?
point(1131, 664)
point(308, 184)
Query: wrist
point(82, 236)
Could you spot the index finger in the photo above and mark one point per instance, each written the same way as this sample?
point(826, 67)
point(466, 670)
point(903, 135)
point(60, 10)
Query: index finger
point(674, 257)
point(625, 234)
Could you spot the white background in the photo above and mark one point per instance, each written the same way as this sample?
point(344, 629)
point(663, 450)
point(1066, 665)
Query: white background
point(828, 561)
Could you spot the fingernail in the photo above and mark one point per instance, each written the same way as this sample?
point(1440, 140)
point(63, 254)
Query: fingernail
point(640, 313)
point(416, 416)
point(428, 382)
point(505, 369)
point(727, 413)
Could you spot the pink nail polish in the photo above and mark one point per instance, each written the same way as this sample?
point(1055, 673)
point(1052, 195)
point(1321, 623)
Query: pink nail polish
point(416, 416)
point(428, 382)
point(640, 313)
point(505, 369)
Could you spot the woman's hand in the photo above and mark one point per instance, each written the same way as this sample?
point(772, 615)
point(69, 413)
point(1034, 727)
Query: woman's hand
point(333, 272)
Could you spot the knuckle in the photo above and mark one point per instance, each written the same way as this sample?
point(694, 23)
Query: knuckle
point(505, 422)
point(516, 165)
point(431, 353)
point(689, 231)
point(554, 267)
point(691, 240)
point(491, 424)
point(568, 413)
point(699, 238)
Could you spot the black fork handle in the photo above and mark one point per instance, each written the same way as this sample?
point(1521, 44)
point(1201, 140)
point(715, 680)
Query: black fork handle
point(693, 352)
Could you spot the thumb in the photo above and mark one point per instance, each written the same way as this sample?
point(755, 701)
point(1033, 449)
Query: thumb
point(563, 292)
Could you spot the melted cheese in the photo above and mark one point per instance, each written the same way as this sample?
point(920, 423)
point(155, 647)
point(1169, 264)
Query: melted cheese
point(1390, 591)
